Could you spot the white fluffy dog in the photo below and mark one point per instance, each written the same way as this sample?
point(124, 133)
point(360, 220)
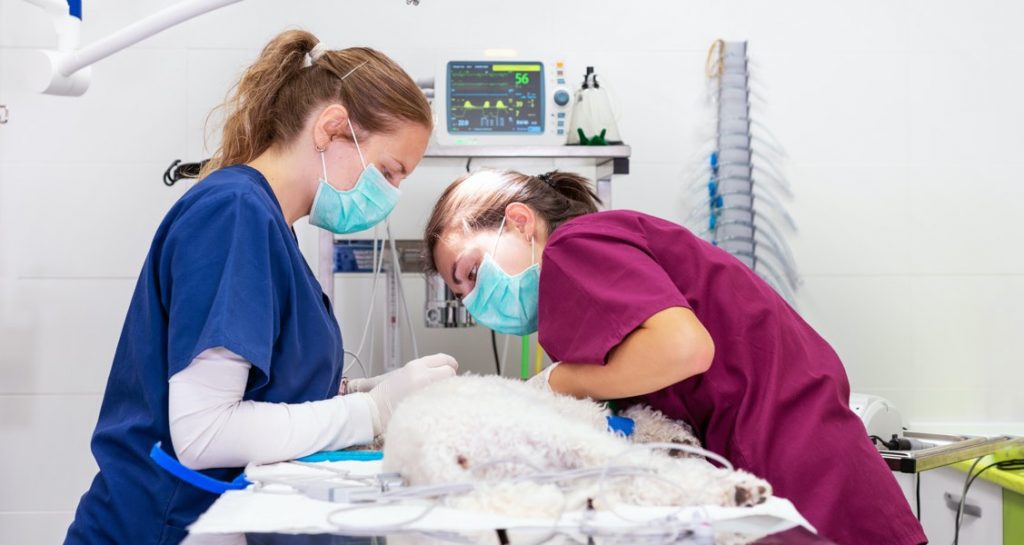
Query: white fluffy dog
point(492, 430)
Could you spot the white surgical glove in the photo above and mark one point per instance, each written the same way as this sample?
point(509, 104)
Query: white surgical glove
point(541, 380)
point(399, 383)
point(356, 385)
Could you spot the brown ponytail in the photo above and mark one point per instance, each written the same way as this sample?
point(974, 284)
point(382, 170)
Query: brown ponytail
point(271, 101)
point(477, 201)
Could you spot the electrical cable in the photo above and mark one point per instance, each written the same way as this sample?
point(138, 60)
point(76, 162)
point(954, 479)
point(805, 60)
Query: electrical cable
point(917, 494)
point(1005, 465)
point(494, 348)
point(963, 495)
point(504, 355)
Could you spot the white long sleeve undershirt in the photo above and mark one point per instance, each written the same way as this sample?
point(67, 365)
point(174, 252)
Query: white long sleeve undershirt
point(211, 426)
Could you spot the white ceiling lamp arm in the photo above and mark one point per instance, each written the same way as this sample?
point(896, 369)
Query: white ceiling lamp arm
point(69, 70)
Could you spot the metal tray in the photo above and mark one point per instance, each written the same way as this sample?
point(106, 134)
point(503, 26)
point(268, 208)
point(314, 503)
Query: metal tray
point(948, 449)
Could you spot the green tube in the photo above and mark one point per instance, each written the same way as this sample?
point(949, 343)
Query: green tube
point(525, 357)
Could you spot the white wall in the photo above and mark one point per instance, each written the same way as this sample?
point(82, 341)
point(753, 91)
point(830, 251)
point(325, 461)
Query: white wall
point(901, 119)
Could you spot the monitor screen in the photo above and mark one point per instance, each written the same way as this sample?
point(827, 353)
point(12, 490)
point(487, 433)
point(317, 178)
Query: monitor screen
point(495, 97)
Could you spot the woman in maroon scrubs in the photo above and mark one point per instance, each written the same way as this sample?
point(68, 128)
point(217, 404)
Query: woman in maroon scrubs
point(639, 309)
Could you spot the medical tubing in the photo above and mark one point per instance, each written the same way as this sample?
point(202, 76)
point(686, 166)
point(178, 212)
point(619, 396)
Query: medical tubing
point(655, 446)
point(378, 528)
point(401, 289)
point(378, 263)
point(668, 523)
point(358, 361)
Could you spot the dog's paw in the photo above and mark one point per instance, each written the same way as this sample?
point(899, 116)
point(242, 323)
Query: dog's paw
point(747, 490)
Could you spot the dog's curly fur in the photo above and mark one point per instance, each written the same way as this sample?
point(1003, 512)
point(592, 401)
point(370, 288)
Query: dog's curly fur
point(491, 429)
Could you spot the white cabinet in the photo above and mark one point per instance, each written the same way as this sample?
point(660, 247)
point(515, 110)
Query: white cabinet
point(938, 519)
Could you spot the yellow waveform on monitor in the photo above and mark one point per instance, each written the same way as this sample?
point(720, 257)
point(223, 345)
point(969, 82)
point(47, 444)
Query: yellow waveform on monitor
point(499, 105)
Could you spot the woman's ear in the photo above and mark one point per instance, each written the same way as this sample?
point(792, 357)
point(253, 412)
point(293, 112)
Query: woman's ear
point(522, 218)
point(330, 124)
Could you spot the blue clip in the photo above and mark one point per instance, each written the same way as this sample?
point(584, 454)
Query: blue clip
point(621, 425)
point(194, 477)
point(714, 161)
point(343, 456)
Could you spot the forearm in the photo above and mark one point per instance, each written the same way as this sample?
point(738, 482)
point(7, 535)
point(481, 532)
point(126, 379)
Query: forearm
point(669, 348)
point(212, 427)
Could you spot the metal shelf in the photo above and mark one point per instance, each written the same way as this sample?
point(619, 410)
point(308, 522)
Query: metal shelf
point(523, 152)
point(615, 156)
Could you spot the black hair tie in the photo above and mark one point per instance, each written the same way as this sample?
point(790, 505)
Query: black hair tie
point(547, 179)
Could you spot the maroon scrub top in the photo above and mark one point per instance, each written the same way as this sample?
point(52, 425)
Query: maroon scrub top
point(775, 401)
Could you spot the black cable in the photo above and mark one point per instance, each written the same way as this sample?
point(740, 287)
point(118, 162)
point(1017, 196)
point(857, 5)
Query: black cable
point(494, 347)
point(917, 494)
point(170, 173)
point(179, 171)
point(1005, 465)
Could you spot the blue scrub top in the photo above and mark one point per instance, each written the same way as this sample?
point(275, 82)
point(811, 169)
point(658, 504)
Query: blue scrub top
point(225, 270)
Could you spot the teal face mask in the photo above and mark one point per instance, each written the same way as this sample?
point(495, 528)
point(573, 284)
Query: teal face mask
point(359, 208)
point(502, 302)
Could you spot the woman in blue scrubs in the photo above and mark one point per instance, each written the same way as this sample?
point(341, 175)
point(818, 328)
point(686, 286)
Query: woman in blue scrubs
point(230, 351)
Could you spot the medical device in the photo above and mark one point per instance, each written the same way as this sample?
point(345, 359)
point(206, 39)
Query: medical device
point(593, 122)
point(442, 308)
point(523, 102)
point(735, 209)
point(68, 71)
point(880, 417)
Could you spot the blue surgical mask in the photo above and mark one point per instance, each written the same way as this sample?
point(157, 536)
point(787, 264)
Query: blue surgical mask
point(359, 208)
point(503, 302)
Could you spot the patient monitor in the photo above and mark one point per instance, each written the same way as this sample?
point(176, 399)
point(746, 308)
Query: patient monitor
point(502, 102)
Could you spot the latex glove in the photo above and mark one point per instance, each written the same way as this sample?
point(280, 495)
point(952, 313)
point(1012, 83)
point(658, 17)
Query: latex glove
point(542, 380)
point(356, 385)
point(398, 384)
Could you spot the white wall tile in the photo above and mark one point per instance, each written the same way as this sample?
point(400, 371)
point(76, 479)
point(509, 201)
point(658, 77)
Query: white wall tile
point(59, 335)
point(964, 108)
point(851, 219)
point(963, 223)
point(34, 527)
point(988, 25)
point(133, 111)
point(874, 25)
point(866, 319)
point(964, 331)
point(24, 25)
point(47, 464)
point(834, 107)
point(211, 72)
point(84, 219)
point(653, 188)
